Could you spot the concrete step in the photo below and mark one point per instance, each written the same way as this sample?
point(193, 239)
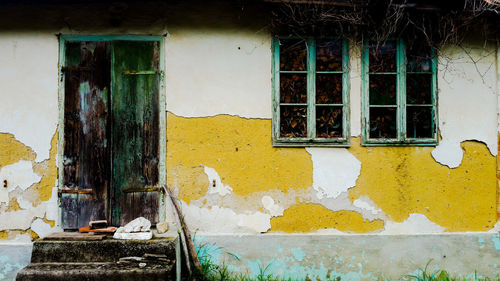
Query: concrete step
point(100, 260)
point(100, 251)
point(97, 272)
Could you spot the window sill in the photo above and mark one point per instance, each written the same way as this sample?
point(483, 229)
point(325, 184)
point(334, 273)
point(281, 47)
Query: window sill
point(309, 143)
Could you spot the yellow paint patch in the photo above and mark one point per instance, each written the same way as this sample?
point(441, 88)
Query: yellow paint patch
point(4, 235)
point(48, 170)
point(192, 182)
point(51, 223)
point(239, 149)
point(13, 205)
point(12, 151)
point(313, 217)
point(405, 180)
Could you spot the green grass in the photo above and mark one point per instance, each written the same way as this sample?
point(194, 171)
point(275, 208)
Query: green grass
point(212, 271)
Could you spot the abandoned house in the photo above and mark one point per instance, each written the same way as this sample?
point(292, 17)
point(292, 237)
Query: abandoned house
point(355, 139)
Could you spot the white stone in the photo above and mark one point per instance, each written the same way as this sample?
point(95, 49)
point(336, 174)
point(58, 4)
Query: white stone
point(139, 224)
point(133, 236)
point(162, 227)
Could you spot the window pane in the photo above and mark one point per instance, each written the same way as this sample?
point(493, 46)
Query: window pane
point(419, 122)
point(419, 59)
point(418, 88)
point(293, 121)
point(329, 55)
point(328, 88)
point(293, 88)
point(293, 55)
point(383, 57)
point(328, 121)
point(382, 122)
point(382, 89)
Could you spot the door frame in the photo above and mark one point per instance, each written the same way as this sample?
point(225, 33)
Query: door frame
point(162, 149)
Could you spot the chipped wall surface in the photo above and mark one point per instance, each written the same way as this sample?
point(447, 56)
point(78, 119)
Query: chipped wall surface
point(28, 83)
point(220, 160)
point(213, 72)
point(355, 257)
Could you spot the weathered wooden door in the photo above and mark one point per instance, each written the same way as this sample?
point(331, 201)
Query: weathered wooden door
point(111, 132)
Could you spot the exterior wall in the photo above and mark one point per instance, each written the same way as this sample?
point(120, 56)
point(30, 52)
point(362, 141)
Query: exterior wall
point(220, 160)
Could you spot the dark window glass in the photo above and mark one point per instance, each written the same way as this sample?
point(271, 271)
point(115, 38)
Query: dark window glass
point(293, 121)
point(328, 55)
point(383, 122)
point(293, 88)
point(418, 88)
point(382, 89)
point(293, 55)
point(329, 88)
point(419, 122)
point(382, 57)
point(328, 121)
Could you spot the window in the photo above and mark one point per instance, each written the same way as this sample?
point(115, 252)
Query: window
point(111, 107)
point(310, 92)
point(399, 94)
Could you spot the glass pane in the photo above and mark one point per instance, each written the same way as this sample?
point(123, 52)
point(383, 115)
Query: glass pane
point(293, 121)
point(419, 58)
point(329, 55)
point(293, 55)
point(418, 88)
point(328, 88)
point(382, 89)
point(382, 122)
point(293, 88)
point(383, 57)
point(419, 122)
point(328, 122)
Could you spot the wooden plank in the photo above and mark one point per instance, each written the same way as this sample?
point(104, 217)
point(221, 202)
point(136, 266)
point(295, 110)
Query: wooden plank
point(135, 131)
point(74, 236)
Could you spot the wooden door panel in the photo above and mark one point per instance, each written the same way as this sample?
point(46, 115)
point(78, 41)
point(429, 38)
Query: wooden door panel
point(135, 130)
point(86, 161)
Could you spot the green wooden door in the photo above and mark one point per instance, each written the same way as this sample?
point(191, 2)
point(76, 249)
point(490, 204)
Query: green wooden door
point(135, 133)
point(111, 132)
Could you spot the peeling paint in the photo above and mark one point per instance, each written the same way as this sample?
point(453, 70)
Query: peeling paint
point(19, 175)
point(239, 150)
point(274, 209)
point(416, 223)
point(42, 229)
point(312, 217)
point(215, 183)
point(224, 220)
point(28, 83)
point(334, 170)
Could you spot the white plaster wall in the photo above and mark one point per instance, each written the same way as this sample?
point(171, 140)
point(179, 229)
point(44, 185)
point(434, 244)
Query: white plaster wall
point(355, 89)
point(210, 72)
point(28, 88)
point(467, 102)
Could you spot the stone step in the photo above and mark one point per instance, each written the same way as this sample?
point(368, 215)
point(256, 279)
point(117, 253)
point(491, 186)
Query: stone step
point(100, 260)
point(109, 271)
point(100, 251)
